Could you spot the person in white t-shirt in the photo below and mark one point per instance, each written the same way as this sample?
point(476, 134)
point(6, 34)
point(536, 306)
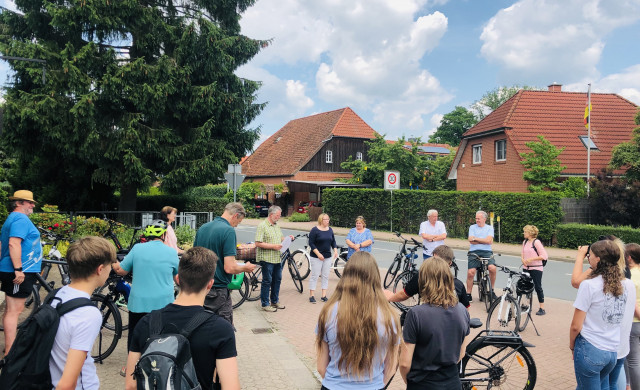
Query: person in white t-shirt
point(605, 302)
point(432, 232)
point(71, 365)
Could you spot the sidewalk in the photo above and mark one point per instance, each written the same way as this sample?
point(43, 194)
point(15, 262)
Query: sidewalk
point(558, 254)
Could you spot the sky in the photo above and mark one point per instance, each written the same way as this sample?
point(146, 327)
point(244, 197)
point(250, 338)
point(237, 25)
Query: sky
point(402, 64)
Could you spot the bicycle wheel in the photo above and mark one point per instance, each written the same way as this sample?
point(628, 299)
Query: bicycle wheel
point(338, 265)
point(504, 315)
point(302, 262)
point(392, 271)
point(240, 295)
point(488, 292)
point(120, 302)
point(30, 305)
point(499, 367)
point(295, 274)
point(110, 331)
point(399, 284)
point(526, 306)
point(255, 284)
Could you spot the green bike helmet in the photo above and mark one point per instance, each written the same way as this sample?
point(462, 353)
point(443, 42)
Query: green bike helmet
point(155, 229)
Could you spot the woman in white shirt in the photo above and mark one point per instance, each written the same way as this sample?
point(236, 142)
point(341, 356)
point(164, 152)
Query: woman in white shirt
point(604, 301)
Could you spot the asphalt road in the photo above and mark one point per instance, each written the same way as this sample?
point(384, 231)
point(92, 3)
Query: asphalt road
point(555, 282)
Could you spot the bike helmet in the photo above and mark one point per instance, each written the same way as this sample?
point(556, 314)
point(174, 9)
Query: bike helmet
point(155, 229)
point(524, 285)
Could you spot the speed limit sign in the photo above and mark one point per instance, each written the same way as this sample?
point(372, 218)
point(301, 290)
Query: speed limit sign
point(391, 180)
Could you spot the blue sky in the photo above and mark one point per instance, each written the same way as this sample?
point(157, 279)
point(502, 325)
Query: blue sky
point(402, 64)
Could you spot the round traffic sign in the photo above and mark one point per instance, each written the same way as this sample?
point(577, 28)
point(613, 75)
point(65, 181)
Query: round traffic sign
point(392, 178)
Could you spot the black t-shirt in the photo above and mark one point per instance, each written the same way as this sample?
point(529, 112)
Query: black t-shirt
point(438, 334)
point(412, 288)
point(322, 240)
point(210, 341)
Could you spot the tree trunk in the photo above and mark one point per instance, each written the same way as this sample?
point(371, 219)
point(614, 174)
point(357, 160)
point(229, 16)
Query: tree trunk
point(128, 195)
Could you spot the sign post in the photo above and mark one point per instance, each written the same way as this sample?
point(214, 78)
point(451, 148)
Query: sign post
point(391, 182)
point(234, 177)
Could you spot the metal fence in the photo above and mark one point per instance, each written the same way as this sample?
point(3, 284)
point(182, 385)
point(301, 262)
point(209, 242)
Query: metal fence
point(143, 218)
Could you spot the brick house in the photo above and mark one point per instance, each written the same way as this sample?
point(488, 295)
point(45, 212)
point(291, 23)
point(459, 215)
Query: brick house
point(488, 158)
point(306, 154)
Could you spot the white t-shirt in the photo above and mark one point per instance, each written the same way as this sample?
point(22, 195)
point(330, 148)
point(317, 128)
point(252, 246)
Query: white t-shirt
point(428, 228)
point(78, 330)
point(605, 313)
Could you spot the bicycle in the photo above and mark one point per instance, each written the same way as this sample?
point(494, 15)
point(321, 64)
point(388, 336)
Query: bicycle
point(507, 311)
point(410, 269)
point(483, 280)
point(341, 261)
point(117, 289)
point(496, 359)
point(254, 279)
point(396, 264)
point(121, 251)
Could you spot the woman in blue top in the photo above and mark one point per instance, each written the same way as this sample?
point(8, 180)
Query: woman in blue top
point(321, 241)
point(357, 336)
point(359, 238)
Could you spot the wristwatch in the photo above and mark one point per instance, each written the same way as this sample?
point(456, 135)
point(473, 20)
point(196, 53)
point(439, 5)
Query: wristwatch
point(18, 269)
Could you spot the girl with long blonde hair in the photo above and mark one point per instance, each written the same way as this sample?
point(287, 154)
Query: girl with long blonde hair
point(357, 336)
point(434, 331)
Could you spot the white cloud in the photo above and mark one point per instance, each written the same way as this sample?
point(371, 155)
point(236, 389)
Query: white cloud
point(359, 53)
point(625, 84)
point(547, 39)
point(296, 94)
point(435, 121)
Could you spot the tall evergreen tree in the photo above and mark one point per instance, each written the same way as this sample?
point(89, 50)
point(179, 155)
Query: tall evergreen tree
point(135, 91)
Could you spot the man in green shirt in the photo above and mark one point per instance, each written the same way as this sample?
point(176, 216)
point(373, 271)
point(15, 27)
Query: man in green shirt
point(220, 237)
point(268, 244)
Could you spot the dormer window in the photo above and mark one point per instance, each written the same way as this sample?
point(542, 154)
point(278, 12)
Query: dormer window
point(359, 156)
point(277, 139)
point(329, 159)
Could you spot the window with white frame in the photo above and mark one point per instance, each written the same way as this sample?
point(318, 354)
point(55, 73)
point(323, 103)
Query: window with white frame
point(477, 154)
point(501, 150)
point(359, 156)
point(329, 159)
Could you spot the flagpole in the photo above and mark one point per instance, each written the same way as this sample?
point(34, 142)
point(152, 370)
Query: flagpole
point(589, 139)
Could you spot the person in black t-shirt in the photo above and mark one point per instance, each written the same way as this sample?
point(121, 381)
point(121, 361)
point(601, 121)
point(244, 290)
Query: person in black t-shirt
point(411, 288)
point(213, 344)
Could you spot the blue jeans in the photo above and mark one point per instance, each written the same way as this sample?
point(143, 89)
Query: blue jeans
point(271, 278)
point(592, 365)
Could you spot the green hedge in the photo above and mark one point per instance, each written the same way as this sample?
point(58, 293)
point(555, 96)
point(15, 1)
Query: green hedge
point(157, 202)
point(455, 209)
point(208, 204)
point(572, 235)
point(208, 191)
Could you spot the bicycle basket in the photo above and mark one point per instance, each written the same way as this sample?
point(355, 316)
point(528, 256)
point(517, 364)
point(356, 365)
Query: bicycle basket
point(246, 251)
point(524, 285)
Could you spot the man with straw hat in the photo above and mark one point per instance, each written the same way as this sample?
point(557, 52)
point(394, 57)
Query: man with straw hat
point(20, 259)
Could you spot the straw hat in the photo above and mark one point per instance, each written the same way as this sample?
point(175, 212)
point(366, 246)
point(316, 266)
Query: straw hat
point(22, 195)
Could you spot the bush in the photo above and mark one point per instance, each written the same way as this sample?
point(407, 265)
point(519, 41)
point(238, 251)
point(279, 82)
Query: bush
point(572, 235)
point(51, 219)
point(614, 201)
point(157, 202)
point(214, 205)
point(574, 187)
point(185, 234)
point(456, 210)
point(208, 191)
point(299, 217)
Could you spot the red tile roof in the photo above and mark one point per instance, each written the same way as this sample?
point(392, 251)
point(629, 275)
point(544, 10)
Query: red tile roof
point(559, 117)
point(291, 147)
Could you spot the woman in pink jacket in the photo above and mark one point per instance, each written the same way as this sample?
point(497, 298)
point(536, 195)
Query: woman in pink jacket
point(533, 254)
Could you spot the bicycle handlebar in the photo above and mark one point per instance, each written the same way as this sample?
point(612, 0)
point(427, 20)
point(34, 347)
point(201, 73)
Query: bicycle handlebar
point(507, 270)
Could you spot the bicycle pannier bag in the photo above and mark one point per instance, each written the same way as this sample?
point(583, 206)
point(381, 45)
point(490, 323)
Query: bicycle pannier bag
point(236, 281)
point(27, 364)
point(165, 362)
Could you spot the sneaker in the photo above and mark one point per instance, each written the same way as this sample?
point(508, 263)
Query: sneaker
point(324, 299)
point(123, 371)
point(278, 305)
point(493, 296)
point(541, 312)
point(469, 298)
point(312, 299)
point(269, 309)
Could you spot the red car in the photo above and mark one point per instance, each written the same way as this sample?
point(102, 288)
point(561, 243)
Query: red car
point(304, 206)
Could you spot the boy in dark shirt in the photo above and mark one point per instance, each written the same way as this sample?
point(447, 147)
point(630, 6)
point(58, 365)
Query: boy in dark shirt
point(213, 344)
point(411, 288)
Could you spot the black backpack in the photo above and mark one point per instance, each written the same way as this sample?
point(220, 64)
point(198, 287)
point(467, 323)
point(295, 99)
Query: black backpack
point(27, 364)
point(533, 245)
point(165, 361)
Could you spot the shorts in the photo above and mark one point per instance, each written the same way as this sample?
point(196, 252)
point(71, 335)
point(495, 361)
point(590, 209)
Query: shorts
point(474, 262)
point(218, 301)
point(22, 290)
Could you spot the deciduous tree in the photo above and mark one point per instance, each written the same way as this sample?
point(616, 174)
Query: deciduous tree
point(135, 91)
point(542, 165)
point(452, 126)
point(495, 98)
point(627, 155)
